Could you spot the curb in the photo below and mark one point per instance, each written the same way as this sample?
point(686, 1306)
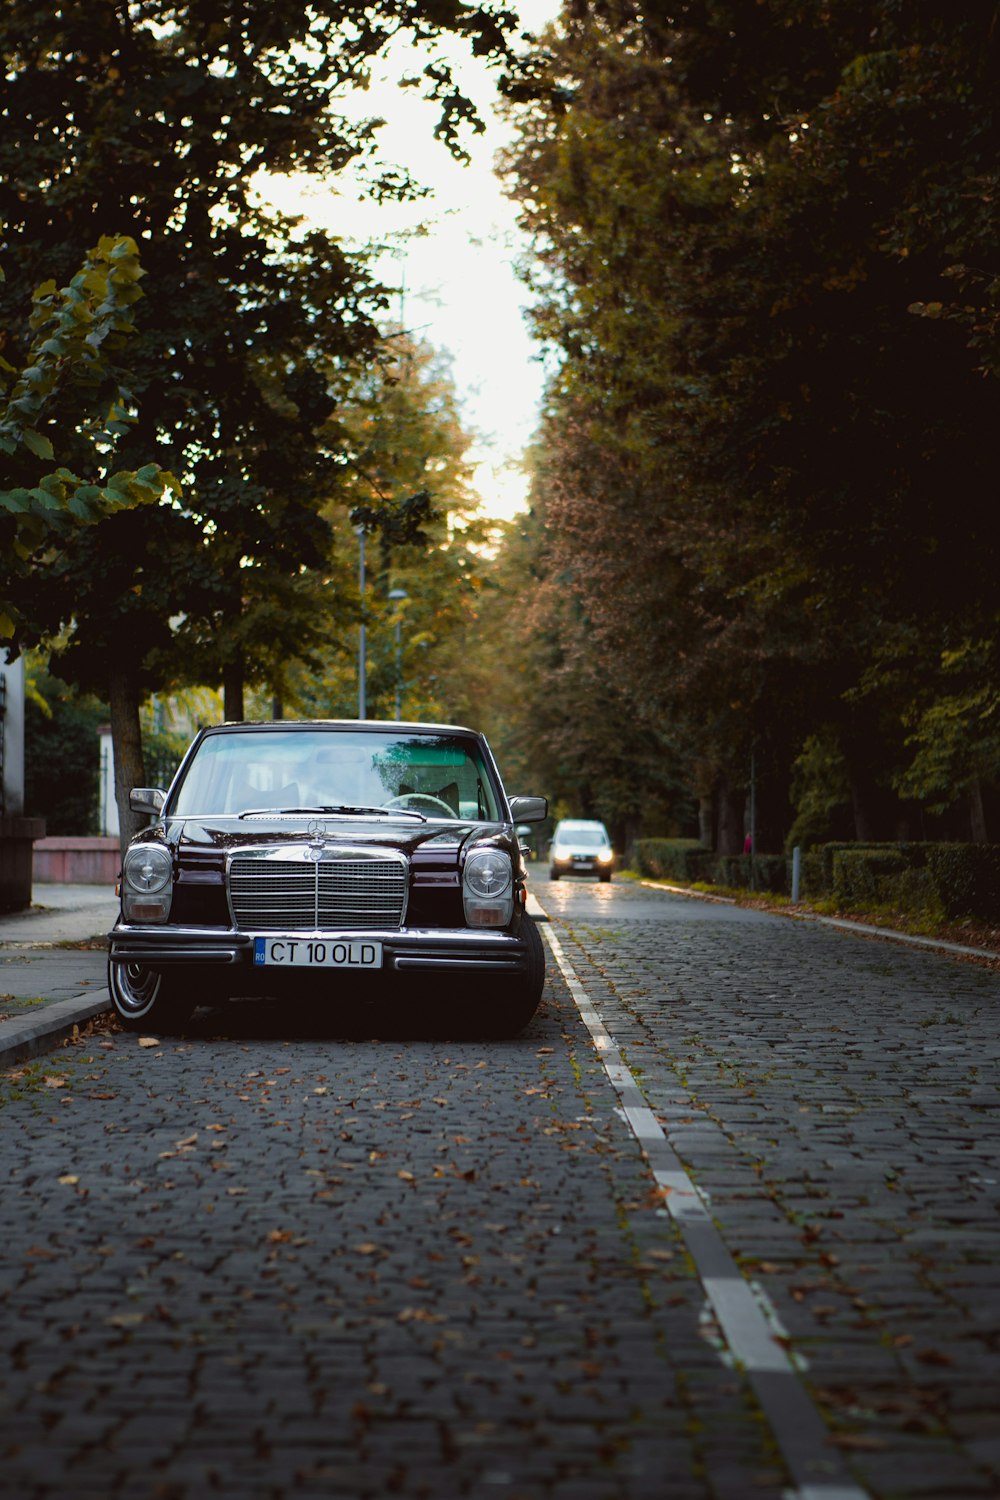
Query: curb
point(30, 1036)
point(844, 925)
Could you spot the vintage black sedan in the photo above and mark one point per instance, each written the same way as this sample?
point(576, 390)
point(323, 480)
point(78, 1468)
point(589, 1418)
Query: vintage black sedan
point(339, 858)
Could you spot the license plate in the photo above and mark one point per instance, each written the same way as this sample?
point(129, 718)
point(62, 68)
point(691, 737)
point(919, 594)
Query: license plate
point(317, 953)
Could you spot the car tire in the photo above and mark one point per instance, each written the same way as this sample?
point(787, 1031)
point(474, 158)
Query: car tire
point(145, 1000)
point(512, 1009)
point(553, 874)
point(605, 879)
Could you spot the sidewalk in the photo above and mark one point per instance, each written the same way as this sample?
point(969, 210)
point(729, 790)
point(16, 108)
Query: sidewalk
point(47, 984)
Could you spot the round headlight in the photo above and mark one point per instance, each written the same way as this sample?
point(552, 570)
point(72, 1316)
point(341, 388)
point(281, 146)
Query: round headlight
point(488, 872)
point(147, 868)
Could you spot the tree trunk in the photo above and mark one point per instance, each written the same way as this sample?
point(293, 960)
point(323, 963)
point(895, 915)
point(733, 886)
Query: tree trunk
point(232, 691)
point(706, 822)
point(864, 826)
point(977, 812)
point(704, 790)
point(732, 805)
point(126, 744)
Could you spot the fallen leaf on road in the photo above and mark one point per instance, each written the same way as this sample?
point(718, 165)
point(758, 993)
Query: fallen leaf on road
point(149, 1041)
point(69, 1180)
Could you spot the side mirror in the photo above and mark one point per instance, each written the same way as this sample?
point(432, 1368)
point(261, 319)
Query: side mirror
point(529, 809)
point(147, 799)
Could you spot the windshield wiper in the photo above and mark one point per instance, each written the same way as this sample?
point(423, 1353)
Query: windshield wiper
point(338, 807)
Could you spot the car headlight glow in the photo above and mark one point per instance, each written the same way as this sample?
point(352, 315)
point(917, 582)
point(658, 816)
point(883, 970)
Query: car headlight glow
point(487, 888)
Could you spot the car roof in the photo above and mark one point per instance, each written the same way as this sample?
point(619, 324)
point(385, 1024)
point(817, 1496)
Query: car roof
point(569, 824)
point(364, 725)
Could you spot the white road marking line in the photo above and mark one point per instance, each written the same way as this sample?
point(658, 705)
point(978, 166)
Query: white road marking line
point(742, 1322)
point(798, 1427)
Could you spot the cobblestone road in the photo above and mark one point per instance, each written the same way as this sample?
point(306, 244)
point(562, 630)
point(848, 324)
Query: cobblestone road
point(267, 1259)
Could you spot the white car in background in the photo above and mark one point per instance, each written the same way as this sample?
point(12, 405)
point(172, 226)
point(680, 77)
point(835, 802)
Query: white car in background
point(580, 846)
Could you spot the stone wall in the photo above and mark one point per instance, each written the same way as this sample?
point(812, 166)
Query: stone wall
point(77, 861)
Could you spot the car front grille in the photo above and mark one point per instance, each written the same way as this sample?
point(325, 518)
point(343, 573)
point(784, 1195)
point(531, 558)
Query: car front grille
point(329, 895)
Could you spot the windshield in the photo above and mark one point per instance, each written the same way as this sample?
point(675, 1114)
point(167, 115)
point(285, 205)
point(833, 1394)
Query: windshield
point(585, 838)
point(433, 775)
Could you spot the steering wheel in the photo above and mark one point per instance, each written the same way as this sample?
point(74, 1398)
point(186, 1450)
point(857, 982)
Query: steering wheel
point(426, 798)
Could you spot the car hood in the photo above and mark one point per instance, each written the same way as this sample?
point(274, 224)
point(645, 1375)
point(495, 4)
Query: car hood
point(227, 835)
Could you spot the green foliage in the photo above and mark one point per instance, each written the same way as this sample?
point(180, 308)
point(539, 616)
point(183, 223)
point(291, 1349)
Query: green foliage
point(690, 863)
point(574, 719)
point(69, 395)
point(672, 859)
point(62, 758)
point(163, 751)
point(820, 793)
point(966, 879)
point(863, 878)
point(409, 484)
point(153, 122)
point(954, 720)
point(768, 436)
point(935, 880)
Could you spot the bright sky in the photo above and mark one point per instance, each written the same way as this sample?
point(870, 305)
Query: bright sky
point(462, 294)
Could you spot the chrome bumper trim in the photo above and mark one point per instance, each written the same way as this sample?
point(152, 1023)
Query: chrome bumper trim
point(450, 949)
point(464, 961)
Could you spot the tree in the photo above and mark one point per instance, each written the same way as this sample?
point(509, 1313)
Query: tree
point(69, 396)
point(409, 487)
point(155, 119)
point(62, 769)
point(750, 225)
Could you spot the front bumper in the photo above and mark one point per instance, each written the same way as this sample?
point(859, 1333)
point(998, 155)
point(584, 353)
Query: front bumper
point(445, 951)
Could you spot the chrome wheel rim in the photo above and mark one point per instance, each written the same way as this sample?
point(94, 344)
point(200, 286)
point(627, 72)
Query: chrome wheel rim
point(135, 988)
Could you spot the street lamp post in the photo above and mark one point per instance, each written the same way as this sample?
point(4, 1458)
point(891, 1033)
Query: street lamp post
point(399, 595)
point(362, 665)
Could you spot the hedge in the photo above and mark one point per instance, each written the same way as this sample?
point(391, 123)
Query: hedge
point(966, 878)
point(672, 859)
point(952, 880)
point(961, 880)
point(688, 861)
